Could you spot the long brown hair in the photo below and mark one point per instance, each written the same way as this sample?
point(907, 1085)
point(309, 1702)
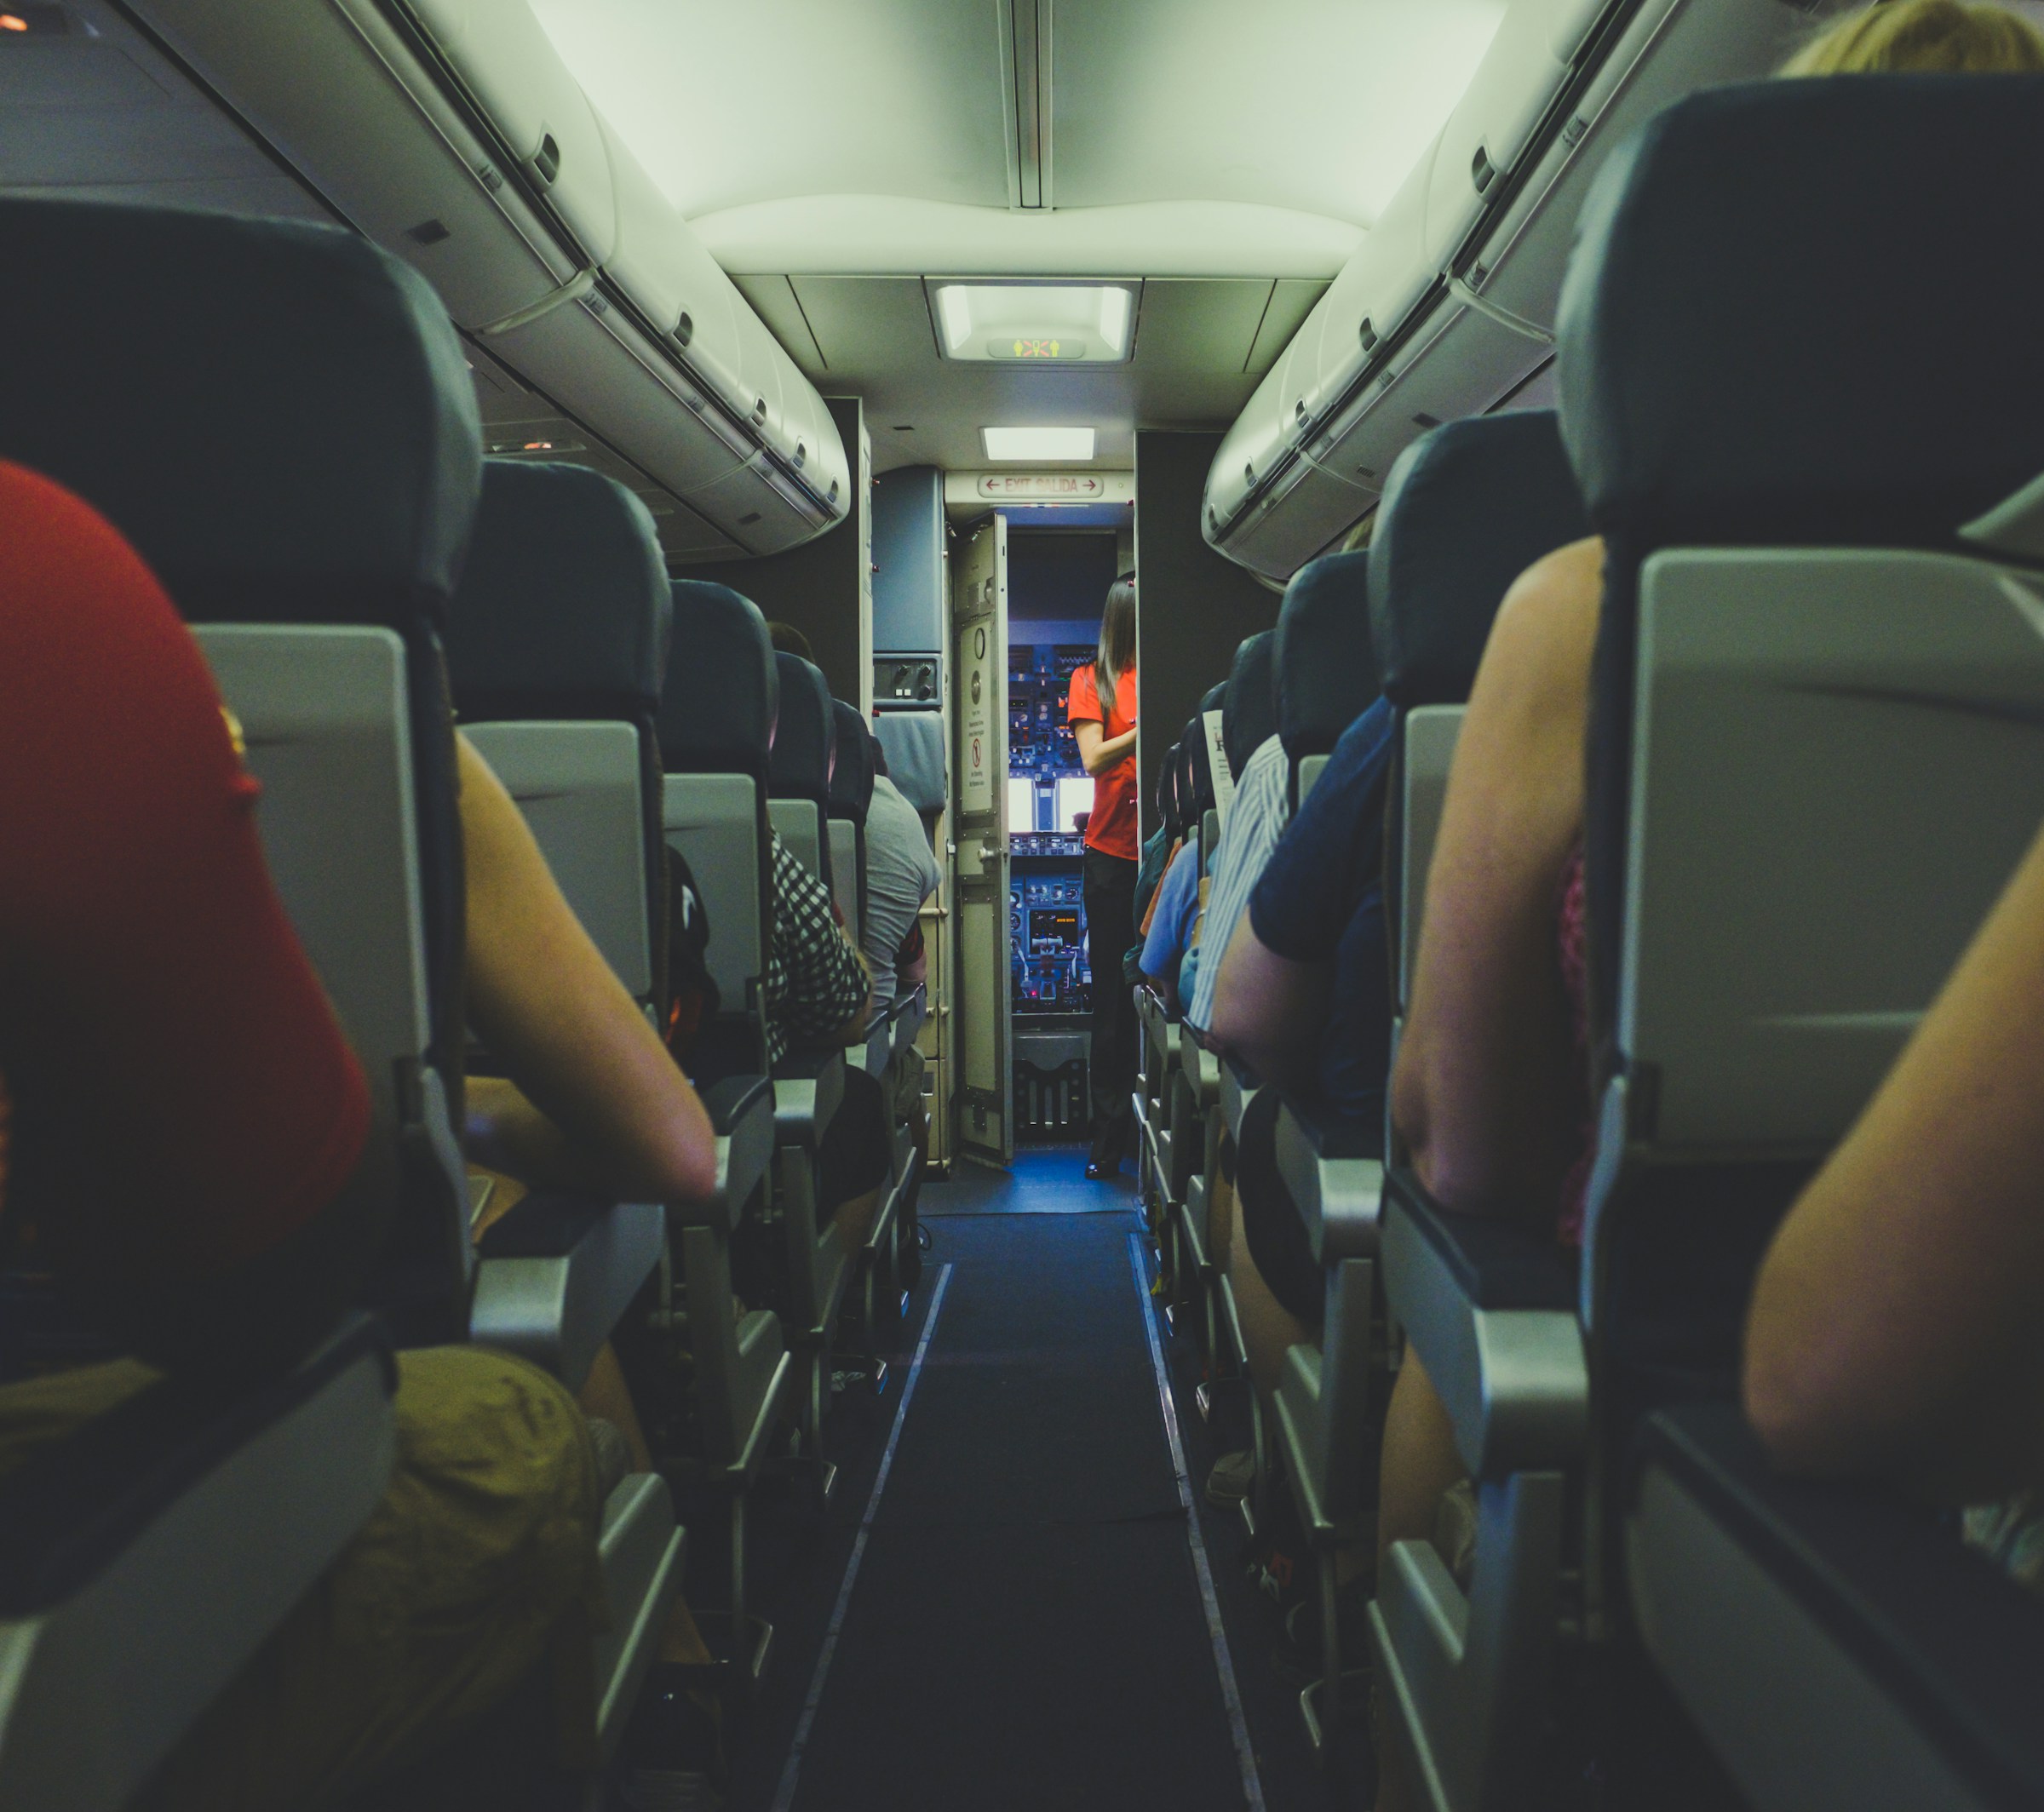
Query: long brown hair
point(1117, 653)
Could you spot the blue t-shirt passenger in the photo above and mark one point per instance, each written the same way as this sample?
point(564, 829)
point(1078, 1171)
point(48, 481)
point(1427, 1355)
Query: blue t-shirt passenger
point(1320, 900)
point(1171, 924)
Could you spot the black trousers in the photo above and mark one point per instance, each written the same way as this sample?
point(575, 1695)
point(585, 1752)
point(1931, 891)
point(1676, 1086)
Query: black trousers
point(1110, 931)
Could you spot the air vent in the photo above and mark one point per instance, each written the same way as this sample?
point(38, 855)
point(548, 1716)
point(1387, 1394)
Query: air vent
point(427, 232)
point(1481, 172)
point(1366, 472)
point(1424, 419)
point(685, 330)
point(546, 161)
point(747, 521)
point(1368, 335)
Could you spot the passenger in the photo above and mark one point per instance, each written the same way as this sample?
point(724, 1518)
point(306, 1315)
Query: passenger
point(1101, 709)
point(788, 640)
point(1893, 1322)
point(818, 997)
point(1255, 819)
point(190, 1159)
point(1492, 1090)
point(1168, 942)
point(1303, 997)
point(901, 874)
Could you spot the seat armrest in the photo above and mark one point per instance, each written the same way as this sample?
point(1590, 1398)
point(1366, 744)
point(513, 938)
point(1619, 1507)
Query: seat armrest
point(1334, 1171)
point(1239, 1087)
point(1490, 1309)
point(557, 1273)
point(808, 1087)
point(741, 1115)
point(1836, 1645)
point(146, 1558)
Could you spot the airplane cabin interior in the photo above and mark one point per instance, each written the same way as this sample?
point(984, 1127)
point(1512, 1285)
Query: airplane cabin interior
point(997, 903)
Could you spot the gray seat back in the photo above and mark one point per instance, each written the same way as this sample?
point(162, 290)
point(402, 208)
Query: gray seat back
point(716, 726)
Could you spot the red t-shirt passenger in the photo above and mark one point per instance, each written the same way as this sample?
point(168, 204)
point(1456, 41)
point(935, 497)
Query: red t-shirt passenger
point(1111, 829)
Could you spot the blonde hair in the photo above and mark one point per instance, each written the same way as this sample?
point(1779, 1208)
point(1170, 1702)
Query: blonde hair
point(1922, 37)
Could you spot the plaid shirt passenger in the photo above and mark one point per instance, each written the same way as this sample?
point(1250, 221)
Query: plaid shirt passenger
point(815, 981)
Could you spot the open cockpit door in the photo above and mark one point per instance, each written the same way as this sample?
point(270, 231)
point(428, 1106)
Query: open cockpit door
point(979, 709)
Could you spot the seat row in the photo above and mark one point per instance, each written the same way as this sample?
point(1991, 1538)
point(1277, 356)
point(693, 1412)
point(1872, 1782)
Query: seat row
point(293, 447)
point(1812, 764)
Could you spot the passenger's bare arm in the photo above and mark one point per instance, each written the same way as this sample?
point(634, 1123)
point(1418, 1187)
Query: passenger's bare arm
point(1270, 1010)
point(1894, 1324)
point(598, 1102)
point(1097, 751)
point(1482, 1093)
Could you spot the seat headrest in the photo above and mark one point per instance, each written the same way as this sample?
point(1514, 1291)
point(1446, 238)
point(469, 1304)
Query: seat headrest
point(277, 415)
point(722, 691)
point(564, 608)
point(914, 741)
point(805, 736)
point(1326, 675)
point(1468, 507)
point(1167, 793)
point(1249, 711)
point(851, 772)
point(1213, 697)
point(1804, 312)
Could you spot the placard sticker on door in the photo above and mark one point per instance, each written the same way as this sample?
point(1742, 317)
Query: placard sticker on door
point(978, 791)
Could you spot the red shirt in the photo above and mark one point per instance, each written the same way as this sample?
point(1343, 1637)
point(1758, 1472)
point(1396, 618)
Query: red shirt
point(160, 1022)
point(1111, 829)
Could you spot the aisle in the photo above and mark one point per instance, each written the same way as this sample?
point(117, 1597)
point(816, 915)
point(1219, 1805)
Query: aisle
point(1025, 1625)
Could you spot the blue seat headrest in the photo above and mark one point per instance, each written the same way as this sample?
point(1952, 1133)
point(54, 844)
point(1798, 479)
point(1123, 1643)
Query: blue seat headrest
point(805, 735)
point(1214, 698)
point(914, 741)
point(1806, 312)
point(851, 772)
point(722, 691)
point(1326, 671)
point(1249, 710)
point(564, 608)
point(277, 415)
point(1468, 507)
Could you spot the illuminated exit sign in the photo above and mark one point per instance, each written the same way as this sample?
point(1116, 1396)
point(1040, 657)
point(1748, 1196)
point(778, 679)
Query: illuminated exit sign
point(1038, 490)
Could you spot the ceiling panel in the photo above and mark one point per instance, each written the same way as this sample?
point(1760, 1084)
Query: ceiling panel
point(773, 300)
point(1202, 323)
point(1292, 300)
point(869, 324)
point(1318, 105)
point(728, 104)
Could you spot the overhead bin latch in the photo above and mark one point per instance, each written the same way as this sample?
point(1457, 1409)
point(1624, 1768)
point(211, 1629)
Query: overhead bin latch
point(572, 290)
point(1516, 323)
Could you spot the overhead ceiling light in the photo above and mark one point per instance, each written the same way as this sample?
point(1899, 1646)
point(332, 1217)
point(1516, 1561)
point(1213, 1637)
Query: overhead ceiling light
point(1076, 323)
point(1037, 442)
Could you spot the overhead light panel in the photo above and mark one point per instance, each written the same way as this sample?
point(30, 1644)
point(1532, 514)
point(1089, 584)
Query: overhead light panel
point(980, 322)
point(1052, 444)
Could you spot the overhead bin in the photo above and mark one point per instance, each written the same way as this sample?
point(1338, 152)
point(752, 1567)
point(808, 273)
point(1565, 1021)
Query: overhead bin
point(1448, 305)
point(450, 132)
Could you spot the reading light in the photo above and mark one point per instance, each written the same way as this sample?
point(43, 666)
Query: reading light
point(13, 22)
point(1075, 322)
point(1037, 442)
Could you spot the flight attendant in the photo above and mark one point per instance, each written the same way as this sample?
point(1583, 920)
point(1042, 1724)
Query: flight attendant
point(1101, 711)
